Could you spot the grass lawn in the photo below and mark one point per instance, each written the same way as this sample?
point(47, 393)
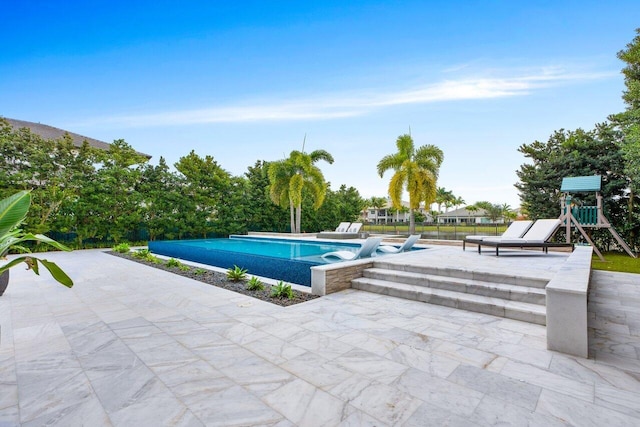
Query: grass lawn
point(616, 262)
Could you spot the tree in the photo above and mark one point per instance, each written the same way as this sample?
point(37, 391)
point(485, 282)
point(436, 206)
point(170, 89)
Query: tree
point(205, 187)
point(290, 177)
point(443, 196)
point(458, 201)
point(471, 209)
point(416, 170)
point(629, 120)
point(261, 213)
point(377, 203)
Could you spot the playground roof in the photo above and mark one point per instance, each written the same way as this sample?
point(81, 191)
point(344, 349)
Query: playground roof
point(576, 184)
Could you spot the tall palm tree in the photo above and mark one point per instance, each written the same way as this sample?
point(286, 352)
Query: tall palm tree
point(416, 170)
point(289, 177)
point(442, 197)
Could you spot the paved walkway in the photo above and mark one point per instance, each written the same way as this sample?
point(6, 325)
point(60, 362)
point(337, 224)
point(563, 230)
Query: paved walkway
point(133, 346)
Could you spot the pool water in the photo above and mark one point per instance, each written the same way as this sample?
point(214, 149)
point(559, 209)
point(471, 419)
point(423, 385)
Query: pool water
point(280, 259)
point(277, 248)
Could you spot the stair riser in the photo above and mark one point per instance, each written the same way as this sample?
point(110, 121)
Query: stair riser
point(463, 274)
point(459, 287)
point(453, 303)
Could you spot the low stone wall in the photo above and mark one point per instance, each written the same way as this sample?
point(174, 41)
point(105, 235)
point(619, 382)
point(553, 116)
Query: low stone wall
point(329, 278)
point(567, 305)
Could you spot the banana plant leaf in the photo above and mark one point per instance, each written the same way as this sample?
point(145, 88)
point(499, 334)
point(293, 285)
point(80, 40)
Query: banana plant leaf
point(32, 263)
point(13, 211)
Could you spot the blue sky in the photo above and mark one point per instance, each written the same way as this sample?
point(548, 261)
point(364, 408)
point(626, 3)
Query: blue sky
point(245, 81)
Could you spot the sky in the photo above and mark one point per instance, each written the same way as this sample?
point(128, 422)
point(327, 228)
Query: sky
point(245, 81)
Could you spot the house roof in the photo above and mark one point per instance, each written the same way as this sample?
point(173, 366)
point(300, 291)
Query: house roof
point(51, 132)
point(463, 212)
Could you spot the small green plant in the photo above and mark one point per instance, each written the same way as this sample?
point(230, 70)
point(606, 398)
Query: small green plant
point(199, 271)
point(141, 253)
point(183, 267)
point(172, 262)
point(237, 274)
point(281, 290)
point(122, 248)
point(154, 259)
point(254, 284)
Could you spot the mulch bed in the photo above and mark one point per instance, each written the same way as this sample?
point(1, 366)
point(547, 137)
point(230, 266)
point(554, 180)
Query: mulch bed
point(220, 280)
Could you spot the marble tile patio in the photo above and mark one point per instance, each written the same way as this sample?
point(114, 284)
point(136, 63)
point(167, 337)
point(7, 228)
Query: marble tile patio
point(133, 346)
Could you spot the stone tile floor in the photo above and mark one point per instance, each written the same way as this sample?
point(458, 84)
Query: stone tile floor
point(133, 346)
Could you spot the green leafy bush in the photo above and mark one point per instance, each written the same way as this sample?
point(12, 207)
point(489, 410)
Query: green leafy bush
point(237, 274)
point(199, 271)
point(183, 267)
point(254, 284)
point(172, 262)
point(141, 253)
point(122, 248)
point(281, 290)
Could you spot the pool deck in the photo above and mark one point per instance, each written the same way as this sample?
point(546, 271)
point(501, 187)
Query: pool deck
point(130, 345)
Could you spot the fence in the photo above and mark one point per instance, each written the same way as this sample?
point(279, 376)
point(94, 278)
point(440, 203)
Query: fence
point(436, 231)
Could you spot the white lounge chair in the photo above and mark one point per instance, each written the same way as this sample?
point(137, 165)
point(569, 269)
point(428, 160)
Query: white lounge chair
point(354, 227)
point(343, 227)
point(350, 231)
point(515, 230)
point(366, 250)
point(537, 237)
point(407, 245)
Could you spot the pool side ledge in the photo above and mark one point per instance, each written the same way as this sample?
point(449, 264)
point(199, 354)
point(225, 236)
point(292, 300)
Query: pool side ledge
point(329, 278)
point(567, 291)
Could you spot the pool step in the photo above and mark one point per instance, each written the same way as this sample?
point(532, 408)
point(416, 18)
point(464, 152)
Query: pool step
point(477, 287)
point(506, 296)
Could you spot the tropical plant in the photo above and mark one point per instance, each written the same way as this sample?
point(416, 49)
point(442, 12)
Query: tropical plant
point(254, 284)
point(122, 248)
point(281, 290)
point(199, 271)
point(237, 274)
point(13, 211)
point(172, 262)
point(416, 170)
point(141, 253)
point(288, 179)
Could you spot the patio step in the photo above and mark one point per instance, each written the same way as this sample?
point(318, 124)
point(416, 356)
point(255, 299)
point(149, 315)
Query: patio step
point(532, 313)
point(532, 282)
point(507, 291)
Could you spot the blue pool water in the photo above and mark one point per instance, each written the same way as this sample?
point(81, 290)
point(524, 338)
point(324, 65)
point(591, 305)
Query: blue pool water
point(280, 259)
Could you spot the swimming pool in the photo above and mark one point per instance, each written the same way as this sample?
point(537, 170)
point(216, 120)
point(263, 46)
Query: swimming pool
point(280, 259)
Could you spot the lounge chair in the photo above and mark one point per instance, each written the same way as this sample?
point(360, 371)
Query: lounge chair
point(407, 245)
point(515, 230)
point(366, 250)
point(349, 232)
point(537, 237)
point(343, 227)
point(354, 227)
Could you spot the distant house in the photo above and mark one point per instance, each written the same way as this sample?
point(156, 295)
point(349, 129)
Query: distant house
point(388, 214)
point(50, 132)
point(462, 215)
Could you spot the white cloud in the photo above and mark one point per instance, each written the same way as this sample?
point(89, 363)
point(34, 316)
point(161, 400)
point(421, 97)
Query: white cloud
point(339, 105)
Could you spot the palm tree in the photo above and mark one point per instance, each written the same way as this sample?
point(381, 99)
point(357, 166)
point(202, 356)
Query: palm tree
point(416, 170)
point(289, 177)
point(458, 201)
point(471, 209)
point(377, 203)
point(442, 197)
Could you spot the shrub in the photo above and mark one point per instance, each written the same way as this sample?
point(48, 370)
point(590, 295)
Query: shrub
point(199, 271)
point(281, 290)
point(236, 274)
point(254, 284)
point(122, 248)
point(142, 253)
point(172, 262)
point(183, 267)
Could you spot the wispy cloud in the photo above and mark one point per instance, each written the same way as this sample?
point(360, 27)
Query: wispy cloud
point(339, 105)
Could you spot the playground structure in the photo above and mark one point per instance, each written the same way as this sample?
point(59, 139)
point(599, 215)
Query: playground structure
point(583, 217)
